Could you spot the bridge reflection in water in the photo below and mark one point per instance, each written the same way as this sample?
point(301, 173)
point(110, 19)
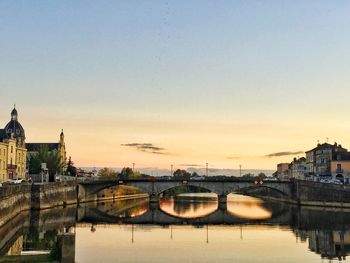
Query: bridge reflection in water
point(186, 209)
point(66, 231)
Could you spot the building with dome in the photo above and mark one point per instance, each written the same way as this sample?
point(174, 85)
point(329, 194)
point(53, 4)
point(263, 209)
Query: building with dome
point(13, 152)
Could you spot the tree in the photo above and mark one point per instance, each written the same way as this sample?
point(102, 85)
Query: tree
point(195, 174)
point(248, 176)
point(71, 169)
point(107, 172)
point(261, 176)
point(52, 159)
point(126, 173)
point(182, 174)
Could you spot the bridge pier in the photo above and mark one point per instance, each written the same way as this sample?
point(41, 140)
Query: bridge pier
point(153, 198)
point(222, 200)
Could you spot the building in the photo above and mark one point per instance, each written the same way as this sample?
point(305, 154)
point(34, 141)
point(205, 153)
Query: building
point(297, 169)
point(282, 171)
point(59, 147)
point(13, 152)
point(318, 160)
point(340, 167)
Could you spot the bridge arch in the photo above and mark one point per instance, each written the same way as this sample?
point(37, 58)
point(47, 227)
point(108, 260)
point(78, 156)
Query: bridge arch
point(188, 185)
point(261, 191)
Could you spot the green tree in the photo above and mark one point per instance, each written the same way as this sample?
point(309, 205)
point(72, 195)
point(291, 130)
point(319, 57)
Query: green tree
point(182, 175)
point(126, 173)
point(52, 159)
point(261, 176)
point(107, 172)
point(71, 169)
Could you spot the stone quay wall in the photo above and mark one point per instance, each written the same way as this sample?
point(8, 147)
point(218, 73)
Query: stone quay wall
point(321, 194)
point(13, 200)
point(17, 198)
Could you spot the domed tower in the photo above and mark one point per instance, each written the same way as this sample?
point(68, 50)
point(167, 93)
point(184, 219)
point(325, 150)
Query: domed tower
point(14, 130)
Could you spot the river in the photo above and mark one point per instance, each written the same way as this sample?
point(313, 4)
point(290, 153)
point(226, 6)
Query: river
point(187, 228)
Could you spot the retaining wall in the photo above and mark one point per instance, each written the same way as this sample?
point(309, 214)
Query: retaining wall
point(17, 198)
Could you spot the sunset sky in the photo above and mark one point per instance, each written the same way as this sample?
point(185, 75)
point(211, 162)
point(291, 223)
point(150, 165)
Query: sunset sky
point(178, 82)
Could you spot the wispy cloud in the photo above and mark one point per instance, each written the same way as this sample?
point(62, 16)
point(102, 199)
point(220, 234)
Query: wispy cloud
point(146, 147)
point(233, 157)
point(280, 154)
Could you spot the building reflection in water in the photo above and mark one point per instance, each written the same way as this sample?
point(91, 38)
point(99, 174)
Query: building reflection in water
point(329, 244)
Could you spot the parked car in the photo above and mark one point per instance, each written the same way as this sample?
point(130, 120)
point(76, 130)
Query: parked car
point(16, 181)
point(336, 181)
point(58, 178)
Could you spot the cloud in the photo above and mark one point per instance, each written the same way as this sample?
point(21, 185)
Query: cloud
point(146, 147)
point(233, 157)
point(280, 154)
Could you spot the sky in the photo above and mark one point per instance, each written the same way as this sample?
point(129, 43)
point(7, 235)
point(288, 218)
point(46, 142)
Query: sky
point(156, 83)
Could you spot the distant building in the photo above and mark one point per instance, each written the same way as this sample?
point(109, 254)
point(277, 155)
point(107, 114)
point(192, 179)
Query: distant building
point(318, 160)
point(13, 153)
point(297, 169)
point(282, 171)
point(340, 167)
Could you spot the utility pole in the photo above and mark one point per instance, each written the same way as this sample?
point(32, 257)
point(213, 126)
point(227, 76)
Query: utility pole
point(240, 170)
point(171, 170)
point(132, 233)
point(133, 167)
point(206, 169)
point(207, 234)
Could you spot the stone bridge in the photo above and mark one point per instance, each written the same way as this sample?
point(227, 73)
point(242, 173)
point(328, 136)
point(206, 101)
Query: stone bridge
point(88, 191)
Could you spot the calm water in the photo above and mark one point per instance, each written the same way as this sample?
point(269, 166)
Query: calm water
point(189, 228)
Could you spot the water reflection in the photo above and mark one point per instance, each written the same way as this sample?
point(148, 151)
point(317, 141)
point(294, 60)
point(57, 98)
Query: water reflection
point(200, 205)
point(247, 207)
point(45, 236)
point(126, 208)
point(64, 234)
point(189, 205)
point(329, 244)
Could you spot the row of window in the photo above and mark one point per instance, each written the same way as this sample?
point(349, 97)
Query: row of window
point(2, 165)
point(18, 132)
